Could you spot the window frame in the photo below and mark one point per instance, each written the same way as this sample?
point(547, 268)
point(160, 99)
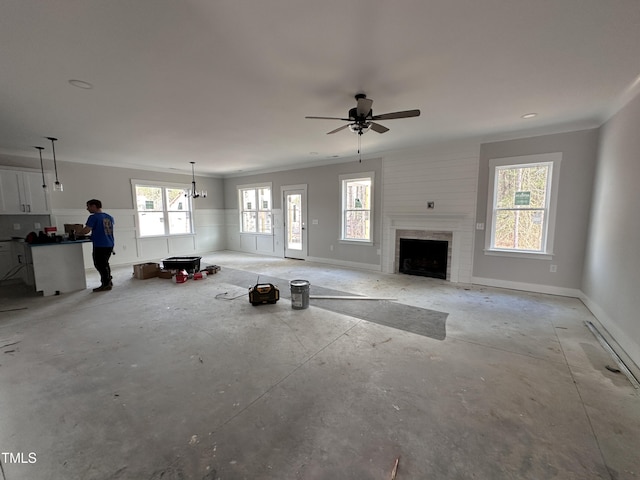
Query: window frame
point(548, 234)
point(164, 186)
point(344, 179)
point(241, 210)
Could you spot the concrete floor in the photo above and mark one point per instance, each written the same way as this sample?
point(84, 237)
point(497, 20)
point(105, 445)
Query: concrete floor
point(156, 380)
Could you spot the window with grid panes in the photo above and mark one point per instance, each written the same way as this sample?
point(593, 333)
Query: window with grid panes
point(357, 207)
point(162, 210)
point(255, 209)
point(522, 204)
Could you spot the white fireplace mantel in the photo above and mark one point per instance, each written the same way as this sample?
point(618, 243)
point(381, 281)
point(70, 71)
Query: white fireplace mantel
point(456, 223)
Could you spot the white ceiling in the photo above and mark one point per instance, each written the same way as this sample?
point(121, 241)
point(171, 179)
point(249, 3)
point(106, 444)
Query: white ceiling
point(227, 83)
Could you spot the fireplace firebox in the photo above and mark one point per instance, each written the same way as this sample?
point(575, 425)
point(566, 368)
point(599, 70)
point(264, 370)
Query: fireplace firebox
point(427, 258)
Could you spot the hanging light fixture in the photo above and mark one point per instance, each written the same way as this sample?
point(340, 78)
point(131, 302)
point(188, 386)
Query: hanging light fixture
point(56, 186)
point(44, 183)
point(193, 193)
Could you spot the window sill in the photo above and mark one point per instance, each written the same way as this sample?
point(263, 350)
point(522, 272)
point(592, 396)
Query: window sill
point(519, 254)
point(172, 235)
point(365, 243)
point(256, 233)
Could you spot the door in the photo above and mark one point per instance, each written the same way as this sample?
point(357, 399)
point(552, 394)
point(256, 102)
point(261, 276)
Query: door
point(294, 204)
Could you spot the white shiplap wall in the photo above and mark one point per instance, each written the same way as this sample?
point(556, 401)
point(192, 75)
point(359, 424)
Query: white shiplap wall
point(446, 175)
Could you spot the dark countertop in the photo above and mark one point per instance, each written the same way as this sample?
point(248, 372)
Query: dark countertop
point(64, 242)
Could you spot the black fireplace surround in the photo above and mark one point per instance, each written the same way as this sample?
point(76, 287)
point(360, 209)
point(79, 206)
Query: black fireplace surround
point(427, 258)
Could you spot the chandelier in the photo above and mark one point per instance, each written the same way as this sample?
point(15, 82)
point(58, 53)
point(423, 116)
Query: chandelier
point(194, 193)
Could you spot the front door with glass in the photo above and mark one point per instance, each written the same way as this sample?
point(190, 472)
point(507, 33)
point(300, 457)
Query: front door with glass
point(294, 203)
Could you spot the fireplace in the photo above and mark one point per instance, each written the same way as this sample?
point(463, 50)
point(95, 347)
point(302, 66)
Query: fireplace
point(456, 229)
point(427, 258)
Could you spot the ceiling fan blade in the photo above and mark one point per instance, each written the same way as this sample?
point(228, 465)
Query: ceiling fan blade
point(330, 118)
point(364, 106)
point(392, 115)
point(337, 129)
point(376, 127)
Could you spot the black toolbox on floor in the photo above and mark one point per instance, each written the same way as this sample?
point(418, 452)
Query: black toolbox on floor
point(190, 264)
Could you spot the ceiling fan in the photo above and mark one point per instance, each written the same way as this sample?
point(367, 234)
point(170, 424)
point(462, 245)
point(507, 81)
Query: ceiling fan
point(361, 117)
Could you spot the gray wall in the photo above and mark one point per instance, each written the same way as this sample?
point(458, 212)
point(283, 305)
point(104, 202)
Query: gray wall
point(611, 282)
point(323, 204)
point(25, 224)
point(577, 170)
point(112, 185)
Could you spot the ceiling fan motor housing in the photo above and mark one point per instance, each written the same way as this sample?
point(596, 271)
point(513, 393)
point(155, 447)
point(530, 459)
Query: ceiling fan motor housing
point(353, 115)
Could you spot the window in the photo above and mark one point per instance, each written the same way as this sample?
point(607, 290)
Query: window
point(522, 201)
point(255, 208)
point(357, 207)
point(162, 210)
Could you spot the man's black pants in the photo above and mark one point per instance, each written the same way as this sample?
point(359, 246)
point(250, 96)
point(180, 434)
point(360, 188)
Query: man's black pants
point(101, 257)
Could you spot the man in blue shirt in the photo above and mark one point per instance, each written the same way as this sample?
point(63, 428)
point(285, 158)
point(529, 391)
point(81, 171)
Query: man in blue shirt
point(100, 225)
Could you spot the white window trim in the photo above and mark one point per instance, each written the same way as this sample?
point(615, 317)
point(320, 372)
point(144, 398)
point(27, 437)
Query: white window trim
point(553, 158)
point(239, 189)
point(153, 183)
point(353, 176)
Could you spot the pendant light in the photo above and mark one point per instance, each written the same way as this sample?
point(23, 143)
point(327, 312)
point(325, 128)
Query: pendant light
point(193, 193)
point(44, 183)
point(56, 186)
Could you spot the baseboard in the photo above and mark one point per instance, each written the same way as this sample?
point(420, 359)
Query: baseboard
point(251, 252)
point(608, 329)
point(527, 287)
point(327, 261)
point(343, 263)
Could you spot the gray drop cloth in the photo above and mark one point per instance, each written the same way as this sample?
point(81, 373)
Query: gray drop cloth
point(421, 321)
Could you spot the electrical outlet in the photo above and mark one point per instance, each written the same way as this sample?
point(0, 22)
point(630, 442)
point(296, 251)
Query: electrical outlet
point(16, 226)
point(331, 247)
point(553, 268)
point(37, 226)
point(479, 226)
point(314, 222)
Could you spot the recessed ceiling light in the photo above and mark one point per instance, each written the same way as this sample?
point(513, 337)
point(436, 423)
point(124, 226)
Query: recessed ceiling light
point(81, 84)
point(529, 115)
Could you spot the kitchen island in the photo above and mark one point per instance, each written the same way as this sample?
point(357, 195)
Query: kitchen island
point(57, 267)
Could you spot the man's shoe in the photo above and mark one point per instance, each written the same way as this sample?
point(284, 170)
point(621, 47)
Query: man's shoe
point(102, 288)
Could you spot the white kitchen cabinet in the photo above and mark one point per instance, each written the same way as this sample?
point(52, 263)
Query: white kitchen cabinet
point(57, 267)
point(22, 193)
point(13, 262)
